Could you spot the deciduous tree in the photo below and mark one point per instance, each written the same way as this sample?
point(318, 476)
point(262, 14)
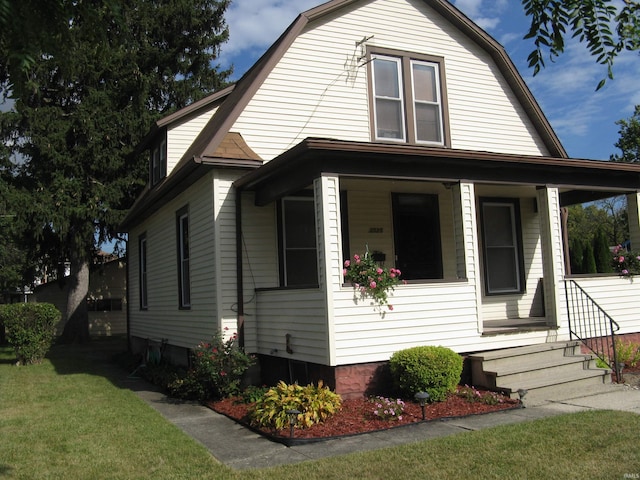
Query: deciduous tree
point(607, 27)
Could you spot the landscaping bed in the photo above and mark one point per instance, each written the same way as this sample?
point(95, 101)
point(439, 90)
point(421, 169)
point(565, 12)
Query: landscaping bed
point(358, 415)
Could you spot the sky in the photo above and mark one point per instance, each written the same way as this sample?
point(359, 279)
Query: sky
point(583, 119)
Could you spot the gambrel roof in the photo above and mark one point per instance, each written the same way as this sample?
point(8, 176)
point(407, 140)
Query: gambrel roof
point(205, 150)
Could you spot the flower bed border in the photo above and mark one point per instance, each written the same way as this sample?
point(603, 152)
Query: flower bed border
point(293, 441)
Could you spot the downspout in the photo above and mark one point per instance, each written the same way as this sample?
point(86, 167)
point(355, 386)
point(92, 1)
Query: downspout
point(239, 278)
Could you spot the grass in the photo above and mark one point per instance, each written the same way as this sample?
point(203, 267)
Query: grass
point(67, 418)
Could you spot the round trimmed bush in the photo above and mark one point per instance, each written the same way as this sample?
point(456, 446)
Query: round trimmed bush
point(435, 370)
point(31, 329)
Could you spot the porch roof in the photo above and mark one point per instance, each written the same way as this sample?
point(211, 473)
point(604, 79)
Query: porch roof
point(579, 180)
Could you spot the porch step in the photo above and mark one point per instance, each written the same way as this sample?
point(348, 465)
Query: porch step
point(549, 372)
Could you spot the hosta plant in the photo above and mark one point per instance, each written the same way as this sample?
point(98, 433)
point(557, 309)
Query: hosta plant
point(315, 404)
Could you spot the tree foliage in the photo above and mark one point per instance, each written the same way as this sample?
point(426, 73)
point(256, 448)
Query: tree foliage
point(91, 93)
point(605, 29)
point(629, 141)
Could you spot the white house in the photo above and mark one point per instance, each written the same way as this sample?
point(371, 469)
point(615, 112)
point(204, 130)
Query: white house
point(394, 125)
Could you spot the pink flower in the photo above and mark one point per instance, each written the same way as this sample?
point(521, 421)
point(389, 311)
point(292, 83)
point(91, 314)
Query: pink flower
point(392, 275)
point(223, 373)
point(344, 272)
point(379, 271)
point(347, 263)
point(625, 272)
point(356, 257)
point(621, 259)
point(390, 307)
point(373, 284)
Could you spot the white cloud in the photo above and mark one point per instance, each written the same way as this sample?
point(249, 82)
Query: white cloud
point(255, 24)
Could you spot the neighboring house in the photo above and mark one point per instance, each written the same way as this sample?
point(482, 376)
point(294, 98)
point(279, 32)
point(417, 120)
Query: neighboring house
point(106, 300)
point(394, 124)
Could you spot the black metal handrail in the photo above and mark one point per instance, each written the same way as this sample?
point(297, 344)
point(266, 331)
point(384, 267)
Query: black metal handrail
point(590, 324)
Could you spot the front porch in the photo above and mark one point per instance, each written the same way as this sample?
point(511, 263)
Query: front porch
point(483, 257)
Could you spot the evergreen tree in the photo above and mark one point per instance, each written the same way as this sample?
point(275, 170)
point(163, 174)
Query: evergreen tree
point(588, 259)
point(601, 252)
point(89, 101)
point(576, 254)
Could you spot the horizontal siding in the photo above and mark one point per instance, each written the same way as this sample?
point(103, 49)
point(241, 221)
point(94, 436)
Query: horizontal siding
point(163, 318)
point(181, 136)
point(618, 296)
point(280, 313)
point(319, 89)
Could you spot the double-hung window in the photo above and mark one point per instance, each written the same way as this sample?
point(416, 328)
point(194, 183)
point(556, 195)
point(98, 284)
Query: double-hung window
point(184, 281)
point(408, 98)
point(298, 252)
point(502, 239)
point(142, 254)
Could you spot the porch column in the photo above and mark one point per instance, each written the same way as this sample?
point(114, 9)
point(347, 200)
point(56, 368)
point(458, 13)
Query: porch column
point(326, 191)
point(466, 219)
point(633, 211)
point(552, 256)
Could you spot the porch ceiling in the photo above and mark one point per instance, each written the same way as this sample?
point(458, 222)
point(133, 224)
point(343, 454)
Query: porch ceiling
point(313, 157)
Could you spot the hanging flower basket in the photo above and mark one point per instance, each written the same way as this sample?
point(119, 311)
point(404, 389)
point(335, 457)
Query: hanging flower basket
point(370, 278)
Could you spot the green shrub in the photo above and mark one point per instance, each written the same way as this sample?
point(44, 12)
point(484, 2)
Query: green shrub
point(216, 372)
point(628, 352)
point(31, 329)
point(315, 404)
point(435, 370)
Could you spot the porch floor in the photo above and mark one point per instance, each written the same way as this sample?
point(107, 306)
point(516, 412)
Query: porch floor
point(515, 325)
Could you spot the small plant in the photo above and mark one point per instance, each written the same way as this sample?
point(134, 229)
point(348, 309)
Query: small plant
point(624, 262)
point(252, 393)
point(315, 404)
point(216, 372)
point(370, 278)
point(628, 353)
point(387, 408)
point(431, 369)
point(471, 395)
point(31, 329)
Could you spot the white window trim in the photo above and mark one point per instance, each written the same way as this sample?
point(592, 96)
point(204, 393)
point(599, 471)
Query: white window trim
point(438, 101)
point(401, 99)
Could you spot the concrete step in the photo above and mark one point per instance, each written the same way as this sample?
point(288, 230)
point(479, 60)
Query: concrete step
point(547, 372)
point(576, 387)
point(542, 371)
point(530, 355)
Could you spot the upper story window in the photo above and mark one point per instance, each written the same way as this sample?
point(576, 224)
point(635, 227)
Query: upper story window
point(158, 162)
point(408, 98)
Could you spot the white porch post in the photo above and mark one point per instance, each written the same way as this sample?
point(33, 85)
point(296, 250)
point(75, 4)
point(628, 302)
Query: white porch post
point(633, 210)
point(466, 219)
point(552, 253)
point(326, 191)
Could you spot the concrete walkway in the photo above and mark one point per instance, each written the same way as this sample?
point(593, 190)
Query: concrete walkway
point(241, 448)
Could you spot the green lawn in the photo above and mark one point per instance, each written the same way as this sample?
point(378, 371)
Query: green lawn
point(66, 419)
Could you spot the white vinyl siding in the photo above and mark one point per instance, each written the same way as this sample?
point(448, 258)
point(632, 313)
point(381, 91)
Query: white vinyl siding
point(618, 296)
point(319, 88)
point(163, 318)
point(181, 136)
